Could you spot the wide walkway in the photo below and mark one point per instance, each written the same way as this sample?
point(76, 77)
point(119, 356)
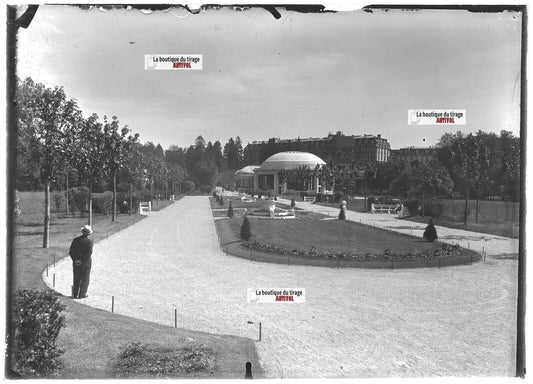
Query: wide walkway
point(456, 321)
point(492, 244)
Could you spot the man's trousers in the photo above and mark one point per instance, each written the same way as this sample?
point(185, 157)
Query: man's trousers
point(81, 281)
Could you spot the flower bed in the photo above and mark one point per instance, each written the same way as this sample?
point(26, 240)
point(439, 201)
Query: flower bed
point(445, 250)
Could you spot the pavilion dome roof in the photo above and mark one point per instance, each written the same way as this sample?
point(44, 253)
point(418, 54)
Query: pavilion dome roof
point(290, 160)
point(249, 169)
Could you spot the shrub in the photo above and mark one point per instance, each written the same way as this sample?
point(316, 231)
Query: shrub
point(205, 188)
point(145, 195)
point(221, 201)
point(36, 324)
point(125, 197)
point(187, 186)
point(293, 203)
point(58, 198)
point(342, 214)
point(430, 234)
point(412, 206)
point(103, 202)
point(371, 200)
point(79, 198)
point(338, 196)
point(246, 230)
point(230, 210)
point(433, 208)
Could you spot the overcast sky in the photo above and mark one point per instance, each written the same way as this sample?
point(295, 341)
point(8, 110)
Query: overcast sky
point(304, 75)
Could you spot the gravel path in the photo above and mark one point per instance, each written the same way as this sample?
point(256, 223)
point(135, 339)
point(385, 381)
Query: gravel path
point(456, 321)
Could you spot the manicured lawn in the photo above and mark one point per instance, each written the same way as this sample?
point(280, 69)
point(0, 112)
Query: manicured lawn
point(92, 338)
point(334, 235)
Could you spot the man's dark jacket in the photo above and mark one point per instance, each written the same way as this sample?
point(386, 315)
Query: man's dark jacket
point(82, 249)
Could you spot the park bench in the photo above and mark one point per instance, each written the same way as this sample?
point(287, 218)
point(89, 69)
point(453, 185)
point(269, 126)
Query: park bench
point(381, 208)
point(309, 199)
point(145, 207)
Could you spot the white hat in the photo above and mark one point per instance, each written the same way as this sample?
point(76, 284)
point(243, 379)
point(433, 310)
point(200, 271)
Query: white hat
point(86, 230)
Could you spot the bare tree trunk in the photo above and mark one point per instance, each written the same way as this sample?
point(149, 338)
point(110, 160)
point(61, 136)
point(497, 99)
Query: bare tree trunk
point(423, 198)
point(46, 237)
point(90, 220)
point(467, 190)
point(477, 208)
point(131, 197)
point(114, 203)
point(67, 193)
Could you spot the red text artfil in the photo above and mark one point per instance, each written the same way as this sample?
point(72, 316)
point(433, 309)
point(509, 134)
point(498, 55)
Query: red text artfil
point(445, 120)
point(181, 65)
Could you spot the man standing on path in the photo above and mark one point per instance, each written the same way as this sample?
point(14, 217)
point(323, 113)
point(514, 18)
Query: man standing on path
point(81, 250)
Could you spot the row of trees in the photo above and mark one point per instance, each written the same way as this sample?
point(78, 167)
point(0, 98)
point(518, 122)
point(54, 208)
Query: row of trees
point(480, 165)
point(58, 146)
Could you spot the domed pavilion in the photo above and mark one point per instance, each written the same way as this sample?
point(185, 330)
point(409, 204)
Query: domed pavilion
point(272, 173)
point(244, 177)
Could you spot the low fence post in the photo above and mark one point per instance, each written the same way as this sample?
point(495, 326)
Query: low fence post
point(175, 318)
point(54, 281)
point(259, 331)
point(112, 304)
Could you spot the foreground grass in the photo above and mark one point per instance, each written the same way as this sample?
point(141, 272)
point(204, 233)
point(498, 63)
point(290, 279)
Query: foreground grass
point(92, 338)
point(138, 360)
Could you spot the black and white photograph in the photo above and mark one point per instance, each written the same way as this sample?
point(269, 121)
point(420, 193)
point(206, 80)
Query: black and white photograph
point(265, 191)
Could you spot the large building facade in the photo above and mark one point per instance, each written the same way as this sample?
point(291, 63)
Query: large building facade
point(412, 154)
point(337, 148)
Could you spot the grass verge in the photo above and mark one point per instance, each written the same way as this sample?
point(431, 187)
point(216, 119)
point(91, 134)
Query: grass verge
point(92, 338)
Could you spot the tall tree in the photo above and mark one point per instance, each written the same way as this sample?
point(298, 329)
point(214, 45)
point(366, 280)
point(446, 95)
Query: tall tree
point(431, 178)
point(133, 169)
point(330, 175)
point(90, 159)
point(239, 153)
point(230, 153)
point(367, 172)
point(50, 119)
point(469, 158)
point(116, 143)
point(510, 180)
point(219, 157)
